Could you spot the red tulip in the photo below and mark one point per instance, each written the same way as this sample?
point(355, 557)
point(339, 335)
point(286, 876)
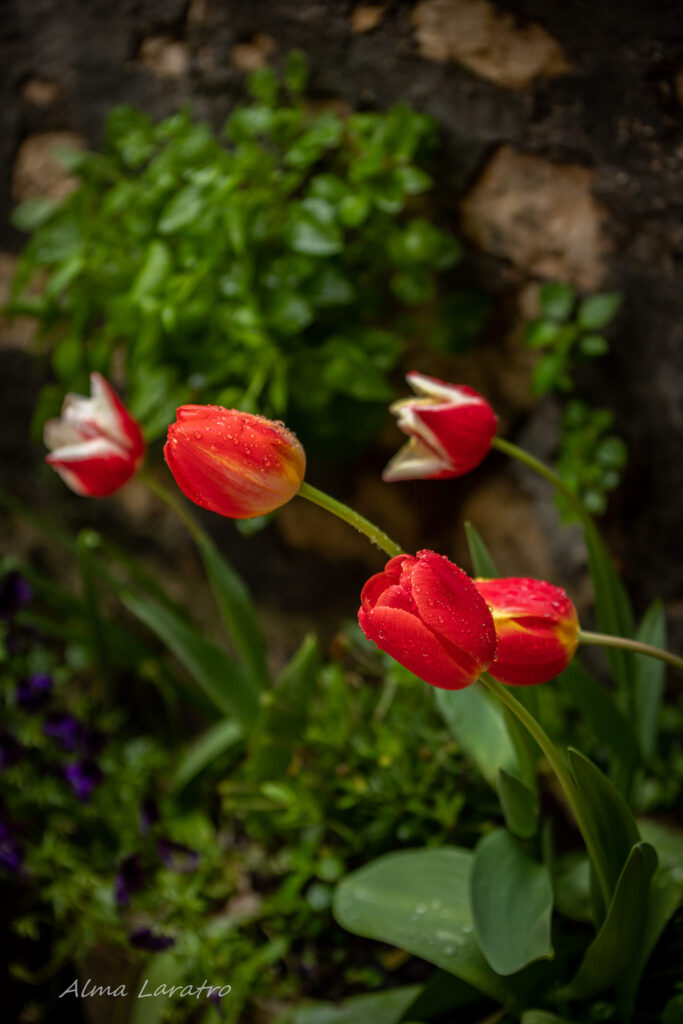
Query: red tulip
point(96, 445)
point(537, 629)
point(450, 427)
point(232, 462)
point(427, 614)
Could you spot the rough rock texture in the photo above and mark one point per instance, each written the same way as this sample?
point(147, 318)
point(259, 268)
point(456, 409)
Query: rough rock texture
point(488, 41)
point(611, 123)
point(38, 170)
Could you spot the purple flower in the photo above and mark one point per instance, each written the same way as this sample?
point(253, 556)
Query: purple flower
point(71, 734)
point(10, 750)
point(83, 776)
point(34, 692)
point(176, 856)
point(129, 878)
point(145, 938)
point(11, 853)
point(15, 592)
point(149, 815)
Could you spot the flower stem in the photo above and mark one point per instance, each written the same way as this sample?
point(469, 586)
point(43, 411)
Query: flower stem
point(178, 506)
point(557, 763)
point(337, 508)
point(622, 642)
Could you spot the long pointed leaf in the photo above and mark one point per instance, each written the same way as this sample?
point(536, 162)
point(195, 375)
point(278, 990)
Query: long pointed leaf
point(650, 676)
point(479, 727)
point(620, 936)
point(612, 606)
point(210, 745)
point(237, 610)
point(223, 682)
point(482, 562)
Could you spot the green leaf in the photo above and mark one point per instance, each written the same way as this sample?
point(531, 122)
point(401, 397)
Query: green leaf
point(413, 180)
point(542, 333)
point(482, 563)
point(29, 215)
point(418, 900)
point(354, 210)
point(597, 310)
point(182, 210)
point(620, 936)
point(519, 804)
point(208, 748)
point(237, 609)
point(313, 229)
point(283, 716)
point(296, 71)
point(609, 814)
point(378, 1007)
point(612, 606)
point(557, 299)
point(650, 677)
point(606, 719)
point(594, 345)
point(542, 1017)
point(478, 725)
point(153, 272)
point(572, 886)
point(548, 373)
point(512, 903)
point(223, 682)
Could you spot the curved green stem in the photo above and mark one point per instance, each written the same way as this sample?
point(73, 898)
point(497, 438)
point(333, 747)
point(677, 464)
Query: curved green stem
point(556, 762)
point(337, 508)
point(173, 502)
point(624, 644)
point(515, 452)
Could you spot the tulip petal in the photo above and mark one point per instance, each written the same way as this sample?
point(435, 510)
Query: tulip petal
point(410, 642)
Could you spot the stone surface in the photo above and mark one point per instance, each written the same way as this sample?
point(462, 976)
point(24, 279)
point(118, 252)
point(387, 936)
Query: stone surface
point(165, 56)
point(253, 54)
point(365, 17)
point(488, 41)
point(540, 215)
point(40, 92)
point(38, 170)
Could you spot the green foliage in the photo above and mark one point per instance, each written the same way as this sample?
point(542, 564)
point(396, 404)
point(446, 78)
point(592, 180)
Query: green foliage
point(269, 273)
point(591, 457)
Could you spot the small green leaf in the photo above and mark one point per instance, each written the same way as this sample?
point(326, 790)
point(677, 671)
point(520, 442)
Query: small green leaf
point(413, 180)
point(557, 299)
point(512, 902)
point(482, 563)
point(418, 900)
point(354, 210)
point(182, 210)
point(153, 272)
point(296, 71)
point(619, 938)
point(596, 311)
point(548, 372)
point(29, 215)
point(594, 345)
point(519, 804)
point(542, 333)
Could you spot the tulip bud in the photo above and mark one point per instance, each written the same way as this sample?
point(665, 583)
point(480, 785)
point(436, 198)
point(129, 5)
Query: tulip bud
point(537, 629)
point(232, 462)
point(96, 446)
point(450, 427)
point(427, 614)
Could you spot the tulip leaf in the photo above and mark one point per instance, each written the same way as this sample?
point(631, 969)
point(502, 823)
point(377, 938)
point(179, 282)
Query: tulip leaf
point(210, 745)
point(237, 610)
point(607, 720)
point(542, 1017)
point(650, 677)
point(283, 714)
point(478, 724)
point(519, 804)
point(610, 817)
point(620, 935)
point(418, 900)
point(512, 903)
point(612, 606)
point(482, 562)
point(379, 1007)
point(221, 679)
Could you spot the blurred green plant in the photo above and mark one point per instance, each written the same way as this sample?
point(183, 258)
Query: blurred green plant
point(591, 458)
point(276, 273)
